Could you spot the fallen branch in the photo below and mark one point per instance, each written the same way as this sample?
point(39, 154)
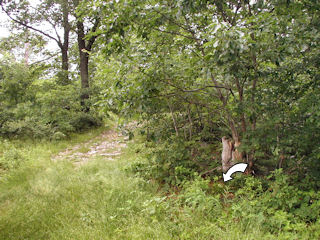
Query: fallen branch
point(211, 170)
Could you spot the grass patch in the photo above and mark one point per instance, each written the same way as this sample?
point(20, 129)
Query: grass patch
point(83, 149)
point(100, 200)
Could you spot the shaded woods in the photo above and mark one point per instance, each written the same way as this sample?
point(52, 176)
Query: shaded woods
point(197, 85)
point(194, 71)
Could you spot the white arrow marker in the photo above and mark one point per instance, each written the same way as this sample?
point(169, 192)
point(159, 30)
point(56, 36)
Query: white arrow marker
point(240, 167)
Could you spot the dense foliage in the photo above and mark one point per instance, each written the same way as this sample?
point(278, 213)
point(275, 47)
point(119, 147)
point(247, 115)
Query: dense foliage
point(180, 75)
point(35, 106)
point(199, 70)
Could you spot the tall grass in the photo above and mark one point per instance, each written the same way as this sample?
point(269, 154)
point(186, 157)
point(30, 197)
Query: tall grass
point(43, 199)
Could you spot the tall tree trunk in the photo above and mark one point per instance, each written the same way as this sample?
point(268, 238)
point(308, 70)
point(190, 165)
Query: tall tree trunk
point(173, 119)
point(227, 154)
point(237, 156)
point(190, 123)
point(65, 45)
point(85, 46)
point(64, 76)
point(84, 75)
point(26, 53)
point(84, 64)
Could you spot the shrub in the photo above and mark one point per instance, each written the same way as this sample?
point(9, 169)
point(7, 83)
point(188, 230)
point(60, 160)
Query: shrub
point(195, 194)
point(11, 158)
point(81, 121)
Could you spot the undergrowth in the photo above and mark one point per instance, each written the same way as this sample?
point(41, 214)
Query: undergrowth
point(277, 206)
point(42, 199)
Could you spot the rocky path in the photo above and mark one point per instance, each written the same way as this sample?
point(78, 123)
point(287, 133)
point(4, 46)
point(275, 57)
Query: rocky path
point(108, 145)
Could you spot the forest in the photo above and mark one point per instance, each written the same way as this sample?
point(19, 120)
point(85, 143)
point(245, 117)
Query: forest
point(120, 119)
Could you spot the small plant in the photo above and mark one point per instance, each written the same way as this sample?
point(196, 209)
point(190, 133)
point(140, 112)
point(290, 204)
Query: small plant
point(58, 136)
point(11, 157)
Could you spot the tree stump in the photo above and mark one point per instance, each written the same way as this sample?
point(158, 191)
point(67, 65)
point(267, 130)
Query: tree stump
point(228, 154)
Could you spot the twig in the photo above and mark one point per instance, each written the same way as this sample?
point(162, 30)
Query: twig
point(210, 171)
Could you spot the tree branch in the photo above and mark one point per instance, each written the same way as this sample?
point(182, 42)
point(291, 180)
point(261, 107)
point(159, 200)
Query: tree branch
point(177, 33)
point(30, 27)
point(94, 37)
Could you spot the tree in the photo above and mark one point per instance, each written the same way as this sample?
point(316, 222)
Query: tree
point(225, 67)
point(57, 14)
point(54, 14)
point(86, 39)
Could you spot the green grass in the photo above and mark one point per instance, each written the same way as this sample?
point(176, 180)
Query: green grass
point(83, 149)
point(55, 200)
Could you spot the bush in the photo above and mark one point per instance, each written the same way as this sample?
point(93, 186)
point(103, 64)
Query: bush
point(28, 127)
point(35, 106)
point(82, 121)
point(11, 158)
point(195, 194)
point(168, 162)
point(284, 205)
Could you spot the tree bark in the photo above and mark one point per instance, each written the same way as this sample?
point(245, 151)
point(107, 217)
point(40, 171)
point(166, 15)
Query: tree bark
point(84, 75)
point(226, 155)
point(190, 123)
point(26, 53)
point(65, 45)
point(174, 120)
point(64, 76)
point(84, 48)
point(84, 63)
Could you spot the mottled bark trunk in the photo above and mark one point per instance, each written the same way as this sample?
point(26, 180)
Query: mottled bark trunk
point(237, 155)
point(84, 49)
point(84, 65)
point(65, 46)
point(226, 156)
point(84, 74)
point(190, 123)
point(63, 76)
point(26, 53)
point(173, 119)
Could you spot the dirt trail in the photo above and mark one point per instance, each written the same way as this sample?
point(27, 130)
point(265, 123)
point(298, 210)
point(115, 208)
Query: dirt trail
point(107, 145)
